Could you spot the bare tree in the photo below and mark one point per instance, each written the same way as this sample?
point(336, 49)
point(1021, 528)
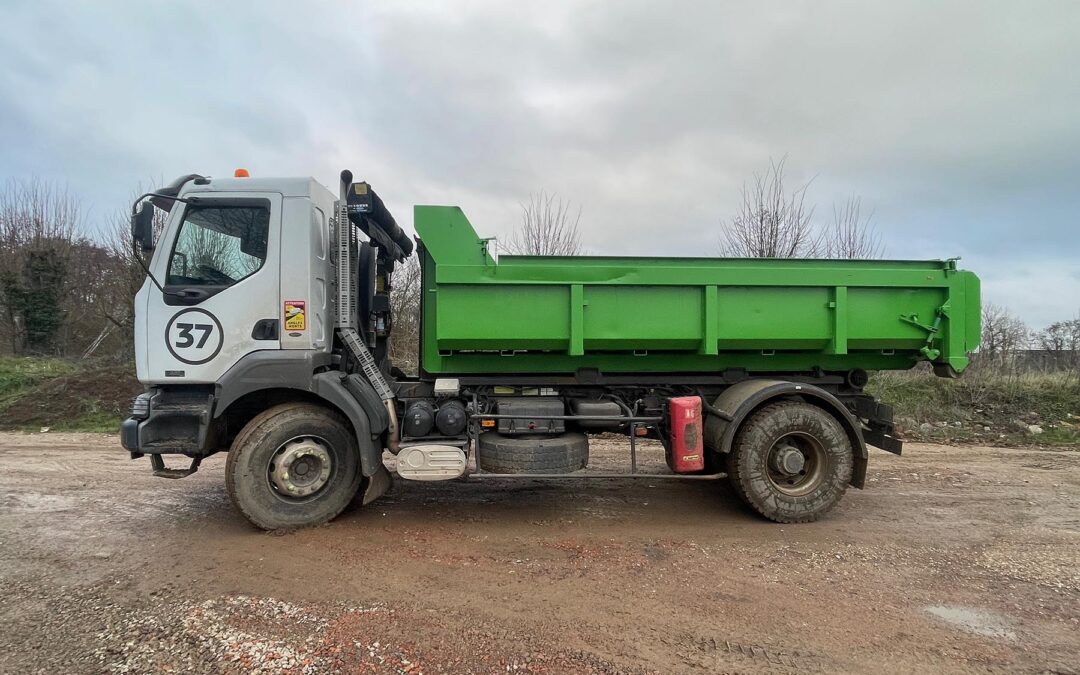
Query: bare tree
point(771, 222)
point(852, 235)
point(38, 225)
point(405, 314)
point(1061, 343)
point(88, 295)
point(32, 211)
point(1003, 334)
point(549, 226)
point(124, 275)
point(774, 221)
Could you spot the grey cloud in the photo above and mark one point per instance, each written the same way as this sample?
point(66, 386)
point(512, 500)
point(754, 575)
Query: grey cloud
point(954, 121)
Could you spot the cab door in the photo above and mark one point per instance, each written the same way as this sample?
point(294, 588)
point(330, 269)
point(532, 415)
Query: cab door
point(219, 265)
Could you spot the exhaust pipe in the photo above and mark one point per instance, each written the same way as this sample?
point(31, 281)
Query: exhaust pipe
point(393, 435)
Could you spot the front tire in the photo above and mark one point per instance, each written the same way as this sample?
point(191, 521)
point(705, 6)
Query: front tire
point(791, 463)
point(293, 465)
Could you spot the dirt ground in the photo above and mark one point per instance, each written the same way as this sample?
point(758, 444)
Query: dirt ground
point(954, 559)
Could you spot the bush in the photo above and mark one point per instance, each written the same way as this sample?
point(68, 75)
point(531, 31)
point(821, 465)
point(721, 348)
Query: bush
point(984, 407)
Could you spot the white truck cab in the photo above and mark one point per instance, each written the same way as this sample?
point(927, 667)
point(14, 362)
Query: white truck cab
point(244, 265)
point(263, 315)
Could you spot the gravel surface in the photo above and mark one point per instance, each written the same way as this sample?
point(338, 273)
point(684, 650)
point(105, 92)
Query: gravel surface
point(954, 560)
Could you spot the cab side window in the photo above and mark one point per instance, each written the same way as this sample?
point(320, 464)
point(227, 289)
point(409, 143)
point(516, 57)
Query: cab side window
point(219, 245)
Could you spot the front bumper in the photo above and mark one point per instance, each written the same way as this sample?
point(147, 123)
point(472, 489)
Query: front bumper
point(168, 421)
point(129, 436)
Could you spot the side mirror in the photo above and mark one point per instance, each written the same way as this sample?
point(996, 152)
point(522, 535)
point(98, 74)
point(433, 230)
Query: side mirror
point(142, 227)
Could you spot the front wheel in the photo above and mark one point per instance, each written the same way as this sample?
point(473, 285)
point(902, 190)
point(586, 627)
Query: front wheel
point(293, 465)
point(791, 462)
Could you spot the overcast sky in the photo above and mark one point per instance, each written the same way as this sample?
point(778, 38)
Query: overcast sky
point(957, 123)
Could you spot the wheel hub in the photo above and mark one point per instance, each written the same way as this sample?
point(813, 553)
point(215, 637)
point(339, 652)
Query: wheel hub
point(788, 461)
point(796, 463)
point(300, 467)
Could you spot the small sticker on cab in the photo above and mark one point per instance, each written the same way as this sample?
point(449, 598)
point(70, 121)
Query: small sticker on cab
point(295, 315)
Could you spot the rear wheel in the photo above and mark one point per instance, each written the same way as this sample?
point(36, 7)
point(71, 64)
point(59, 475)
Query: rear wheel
point(791, 462)
point(293, 465)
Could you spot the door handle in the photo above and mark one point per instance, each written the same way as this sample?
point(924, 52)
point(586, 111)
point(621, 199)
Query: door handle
point(186, 296)
point(265, 329)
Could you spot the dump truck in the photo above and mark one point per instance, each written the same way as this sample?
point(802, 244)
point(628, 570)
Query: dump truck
point(262, 331)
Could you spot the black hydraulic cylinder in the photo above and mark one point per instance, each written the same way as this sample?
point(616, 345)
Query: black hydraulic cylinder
point(367, 207)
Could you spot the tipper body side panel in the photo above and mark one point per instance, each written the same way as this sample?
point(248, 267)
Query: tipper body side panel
point(557, 315)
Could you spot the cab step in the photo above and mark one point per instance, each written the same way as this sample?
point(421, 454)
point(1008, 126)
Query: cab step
point(161, 471)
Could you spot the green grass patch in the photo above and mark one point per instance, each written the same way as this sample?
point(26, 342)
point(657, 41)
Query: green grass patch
point(64, 395)
point(19, 374)
point(94, 418)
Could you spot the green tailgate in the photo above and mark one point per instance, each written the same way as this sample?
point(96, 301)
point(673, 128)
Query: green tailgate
point(552, 315)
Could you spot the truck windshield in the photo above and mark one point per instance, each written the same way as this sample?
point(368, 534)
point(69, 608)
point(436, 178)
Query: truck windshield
point(219, 245)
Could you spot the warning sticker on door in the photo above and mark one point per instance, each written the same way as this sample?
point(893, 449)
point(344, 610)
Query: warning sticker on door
point(295, 315)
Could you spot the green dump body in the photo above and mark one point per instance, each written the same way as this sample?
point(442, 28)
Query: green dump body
point(556, 315)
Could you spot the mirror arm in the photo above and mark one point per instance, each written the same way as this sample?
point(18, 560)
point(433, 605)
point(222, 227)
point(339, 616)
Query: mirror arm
point(135, 245)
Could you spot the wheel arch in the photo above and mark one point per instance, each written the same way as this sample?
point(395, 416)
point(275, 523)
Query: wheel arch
point(740, 401)
point(267, 378)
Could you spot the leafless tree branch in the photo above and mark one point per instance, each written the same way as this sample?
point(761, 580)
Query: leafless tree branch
point(549, 226)
point(1003, 335)
point(405, 314)
point(852, 235)
point(771, 222)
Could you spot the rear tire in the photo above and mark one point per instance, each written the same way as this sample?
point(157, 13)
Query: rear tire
point(564, 453)
point(293, 465)
point(791, 462)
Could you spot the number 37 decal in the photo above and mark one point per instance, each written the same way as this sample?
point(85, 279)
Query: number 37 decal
point(194, 336)
point(185, 334)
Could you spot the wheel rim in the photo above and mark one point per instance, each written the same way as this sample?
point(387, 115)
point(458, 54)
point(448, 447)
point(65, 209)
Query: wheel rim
point(796, 463)
point(300, 468)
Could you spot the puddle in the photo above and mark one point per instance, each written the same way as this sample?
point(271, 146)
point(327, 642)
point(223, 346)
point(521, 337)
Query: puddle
point(978, 621)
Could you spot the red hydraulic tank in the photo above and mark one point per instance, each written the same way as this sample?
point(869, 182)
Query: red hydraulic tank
point(686, 452)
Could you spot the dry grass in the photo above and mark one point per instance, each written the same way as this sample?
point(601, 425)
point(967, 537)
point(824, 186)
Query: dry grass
point(984, 406)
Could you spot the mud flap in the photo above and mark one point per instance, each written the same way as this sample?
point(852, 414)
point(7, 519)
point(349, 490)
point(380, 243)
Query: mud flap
point(376, 486)
point(879, 439)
